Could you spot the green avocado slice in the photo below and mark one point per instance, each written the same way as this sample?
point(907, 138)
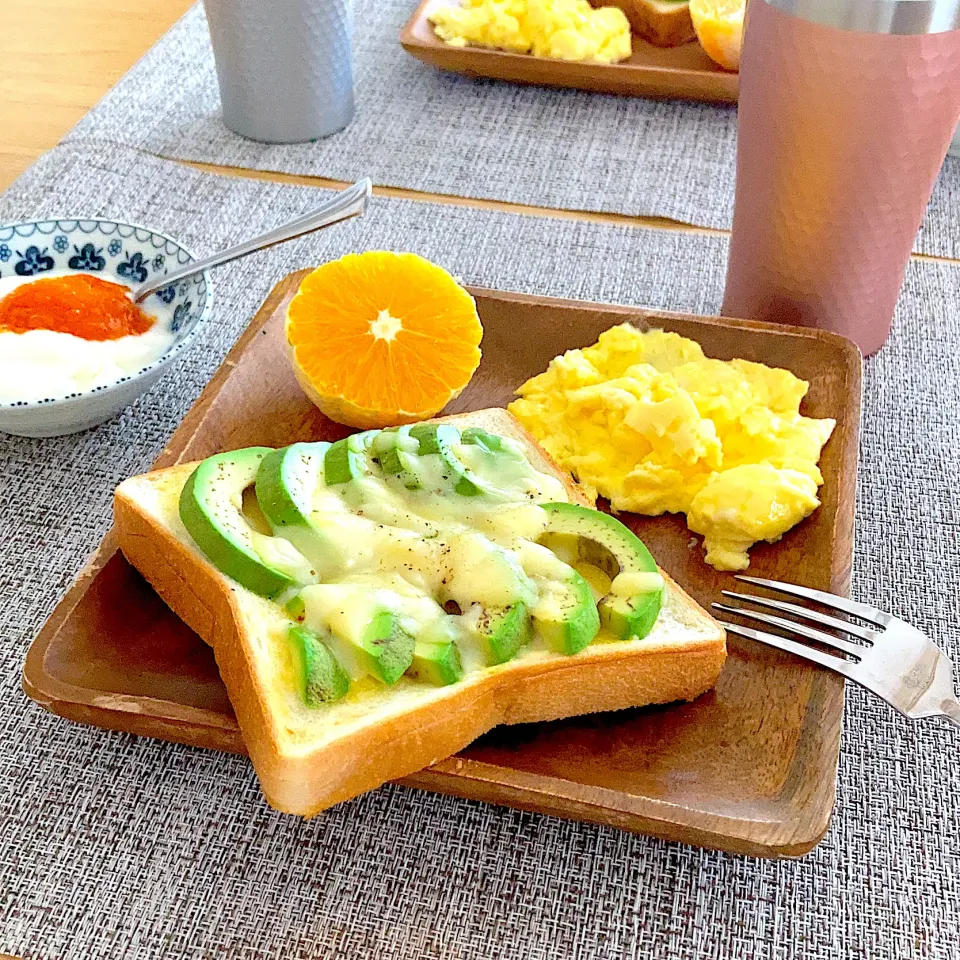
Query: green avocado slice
point(346, 460)
point(481, 574)
point(569, 620)
point(491, 442)
point(436, 658)
point(439, 438)
point(632, 606)
point(480, 437)
point(211, 508)
point(487, 460)
point(386, 648)
point(398, 455)
point(322, 679)
point(286, 480)
point(503, 631)
point(432, 437)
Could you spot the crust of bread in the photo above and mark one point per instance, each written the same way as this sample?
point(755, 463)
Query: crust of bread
point(302, 777)
point(662, 24)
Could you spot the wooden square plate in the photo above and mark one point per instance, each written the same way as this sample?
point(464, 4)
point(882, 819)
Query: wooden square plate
point(749, 767)
point(684, 71)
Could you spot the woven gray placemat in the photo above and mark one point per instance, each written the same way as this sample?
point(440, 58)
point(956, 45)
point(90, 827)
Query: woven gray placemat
point(114, 846)
point(441, 133)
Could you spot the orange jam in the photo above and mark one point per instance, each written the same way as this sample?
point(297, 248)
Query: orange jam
point(80, 304)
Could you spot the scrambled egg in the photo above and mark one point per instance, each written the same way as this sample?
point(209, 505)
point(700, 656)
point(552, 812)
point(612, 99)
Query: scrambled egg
point(563, 29)
point(648, 421)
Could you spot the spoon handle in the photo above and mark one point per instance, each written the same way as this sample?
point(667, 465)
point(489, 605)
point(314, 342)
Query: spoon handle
point(351, 202)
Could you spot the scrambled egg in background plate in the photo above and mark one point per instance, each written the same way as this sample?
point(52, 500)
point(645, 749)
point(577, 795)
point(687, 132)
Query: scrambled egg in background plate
point(648, 421)
point(563, 29)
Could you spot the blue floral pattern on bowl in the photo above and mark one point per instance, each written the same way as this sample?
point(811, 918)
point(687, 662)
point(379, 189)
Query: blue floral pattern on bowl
point(32, 261)
point(180, 314)
point(133, 255)
point(133, 268)
point(87, 257)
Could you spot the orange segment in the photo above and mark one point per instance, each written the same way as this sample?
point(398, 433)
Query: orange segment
point(382, 338)
point(719, 26)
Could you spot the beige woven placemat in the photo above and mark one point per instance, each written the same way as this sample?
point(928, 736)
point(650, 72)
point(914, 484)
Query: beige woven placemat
point(113, 846)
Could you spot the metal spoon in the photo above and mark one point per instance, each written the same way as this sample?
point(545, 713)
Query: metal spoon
point(351, 202)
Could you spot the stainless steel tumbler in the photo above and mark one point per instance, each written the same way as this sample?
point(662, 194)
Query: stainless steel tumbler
point(846, 111)
point(284, 66)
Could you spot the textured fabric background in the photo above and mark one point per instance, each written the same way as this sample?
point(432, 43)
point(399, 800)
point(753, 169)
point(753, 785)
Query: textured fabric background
point(113, 846)
point(438, 132)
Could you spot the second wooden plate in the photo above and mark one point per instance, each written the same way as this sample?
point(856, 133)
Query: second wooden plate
point(748, 767)
point(684, 71)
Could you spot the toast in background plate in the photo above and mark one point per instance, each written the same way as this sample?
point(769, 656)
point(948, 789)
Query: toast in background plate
point(308, 759)
point(664, 23)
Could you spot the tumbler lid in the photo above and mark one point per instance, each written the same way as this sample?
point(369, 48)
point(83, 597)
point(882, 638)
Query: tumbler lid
point(877, 16)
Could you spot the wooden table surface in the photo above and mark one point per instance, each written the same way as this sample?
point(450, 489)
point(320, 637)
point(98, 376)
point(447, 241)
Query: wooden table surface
point(58, 58)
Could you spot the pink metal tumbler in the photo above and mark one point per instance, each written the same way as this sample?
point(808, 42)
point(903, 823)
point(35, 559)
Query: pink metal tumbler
point(847, 108)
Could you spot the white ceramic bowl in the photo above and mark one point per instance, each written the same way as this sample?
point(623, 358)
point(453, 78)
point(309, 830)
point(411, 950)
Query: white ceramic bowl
point(120, 252)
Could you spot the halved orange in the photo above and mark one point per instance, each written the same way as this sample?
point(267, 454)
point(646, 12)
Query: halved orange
point(719, 27)
point(378, 338)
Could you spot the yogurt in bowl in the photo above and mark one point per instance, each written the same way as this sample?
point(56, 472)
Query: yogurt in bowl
point(67, 332)
point(74, 349)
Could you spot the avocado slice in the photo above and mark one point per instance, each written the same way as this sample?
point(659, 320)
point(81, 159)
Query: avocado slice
point(346, 460)
point(442, 438)
point(436, 658)
point(432, 437)
point(565, 613)
point(365, 633)
point(632, 605)
point(296, 608)
point(386, 648)
point(286, 480)
point(487, 460)
point(439, 438)
point(567, 617)
point(482, 438)
point(398, 455)
point(476, 570)
point(481, 575)
point(211, 508)
point(491, 442)
point(503, 631)
point(321, 678)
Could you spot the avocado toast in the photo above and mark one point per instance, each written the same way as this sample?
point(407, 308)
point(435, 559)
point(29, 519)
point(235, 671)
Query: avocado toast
point(376, 604)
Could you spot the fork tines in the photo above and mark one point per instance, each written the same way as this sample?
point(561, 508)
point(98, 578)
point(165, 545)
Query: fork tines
point(890, 657)
point(841, 604)
point(862, 610)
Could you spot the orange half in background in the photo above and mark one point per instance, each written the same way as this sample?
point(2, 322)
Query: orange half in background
point(719, 27)
point(378, 339)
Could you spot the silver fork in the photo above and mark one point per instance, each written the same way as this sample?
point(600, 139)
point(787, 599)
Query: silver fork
point(894, 660)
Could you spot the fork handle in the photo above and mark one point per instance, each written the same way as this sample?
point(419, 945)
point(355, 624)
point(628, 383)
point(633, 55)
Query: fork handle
point(951, 710)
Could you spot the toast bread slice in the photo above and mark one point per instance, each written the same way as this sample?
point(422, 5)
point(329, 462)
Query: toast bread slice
point(660, 22)
point(309, 759)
